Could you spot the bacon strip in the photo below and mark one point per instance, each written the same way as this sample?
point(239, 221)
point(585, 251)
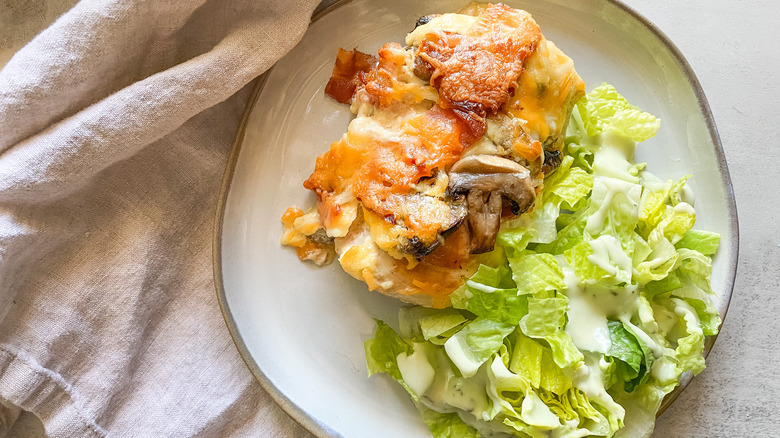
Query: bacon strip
point(476, 73)
point(348, 73)
point(382, 174)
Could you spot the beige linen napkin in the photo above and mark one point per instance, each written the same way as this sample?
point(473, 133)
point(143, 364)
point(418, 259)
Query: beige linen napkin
point(115, 124)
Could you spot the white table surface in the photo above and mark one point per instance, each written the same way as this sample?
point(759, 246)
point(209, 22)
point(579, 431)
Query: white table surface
point(734, 48)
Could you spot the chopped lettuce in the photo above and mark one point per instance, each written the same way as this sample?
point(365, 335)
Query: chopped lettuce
point(705, 242)
point(490, 294)
point(382, 351)
point(567, 187)
point(433, 325)
point(608, 260)
point(469, 348)
point(536, 274)
point(603, 109)
point(447, 425)
point(546, 320)
point(534, 361)
point(632, 352)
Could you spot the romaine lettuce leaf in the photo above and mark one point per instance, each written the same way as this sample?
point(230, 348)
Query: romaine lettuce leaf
point(696, 267)
point(653, 206)
point(583, 157)
point(486, 295)
point(566, 188)
point(569, 235)
point(604, 109)
point(536, 274)
point(705, 242)
point(434, 325)
point(546, 320)
point(641, 406)
point(632, 351)
point(567, 185)
point(513, 238)
point(709, 319)
point(382, 350)
point(534, 361)
point(614, 210)
point(676, 194)
point(579, 258)
point(666, 284)
point(475, 343)
point(624, 346)
point(691, 345)
point(447, 425)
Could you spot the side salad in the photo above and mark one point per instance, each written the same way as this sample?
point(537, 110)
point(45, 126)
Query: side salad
point(593, 307)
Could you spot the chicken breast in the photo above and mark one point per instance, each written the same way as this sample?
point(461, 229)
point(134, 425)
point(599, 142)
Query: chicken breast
point(453, 134)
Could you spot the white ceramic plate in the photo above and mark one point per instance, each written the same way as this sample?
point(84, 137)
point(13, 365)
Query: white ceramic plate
point(301, 328)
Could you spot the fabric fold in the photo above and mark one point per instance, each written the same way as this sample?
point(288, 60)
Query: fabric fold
point(116, 125)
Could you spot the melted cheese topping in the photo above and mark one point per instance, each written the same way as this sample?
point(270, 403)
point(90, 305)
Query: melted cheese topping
point(382, 172)
point(427, 282)
point(384, 183)
point(547, 84)
point(477, 69)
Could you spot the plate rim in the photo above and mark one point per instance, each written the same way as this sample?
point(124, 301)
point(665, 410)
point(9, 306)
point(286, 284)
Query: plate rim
point(320, 429)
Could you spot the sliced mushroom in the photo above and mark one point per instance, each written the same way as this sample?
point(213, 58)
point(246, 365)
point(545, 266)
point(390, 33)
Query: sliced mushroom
point(486, 180)
point(419, 249)
point(425, 19)
point(552, 159)
point(481, 164)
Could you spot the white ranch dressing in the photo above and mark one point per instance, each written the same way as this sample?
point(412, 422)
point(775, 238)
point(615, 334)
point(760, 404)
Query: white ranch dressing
point(610, 161)
point(608, 254)
point(449, 390)
point(613, 187)
point(664, 318)
point(664, 370)
point(416, 370)
point(687, 195)
point(482, 287)
point(587, 324)
point(589, 379)
point(536, 413)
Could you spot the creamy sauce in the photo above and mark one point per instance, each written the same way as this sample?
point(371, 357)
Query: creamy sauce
point(587, 325)
point(609, 161)
point(536, 413)
point(664, 318)
point(608, 254)
point(416, 370)
point(482, 287)
point(686, 194)
point(589, 379)
point(448, 390)
point(611, 188)
point(613, 302)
